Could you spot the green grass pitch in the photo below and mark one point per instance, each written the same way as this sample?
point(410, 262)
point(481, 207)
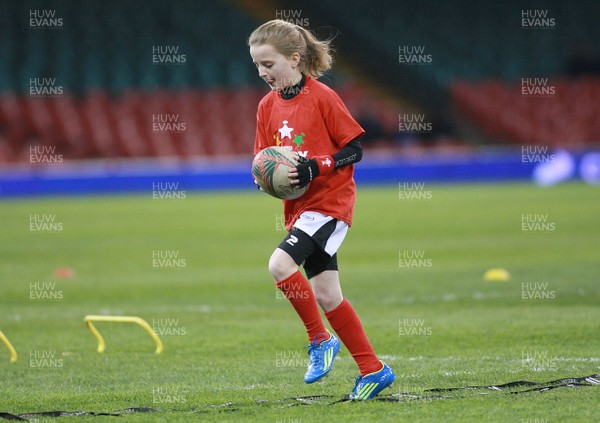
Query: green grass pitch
point(195, 268)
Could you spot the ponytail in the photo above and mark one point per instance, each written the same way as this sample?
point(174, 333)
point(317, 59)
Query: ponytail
point(288, 38)
point(317, 58)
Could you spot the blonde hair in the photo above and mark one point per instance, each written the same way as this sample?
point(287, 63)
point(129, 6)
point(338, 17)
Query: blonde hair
point(288, 38)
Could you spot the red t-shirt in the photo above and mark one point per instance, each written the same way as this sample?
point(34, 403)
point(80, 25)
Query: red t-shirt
point(315, 122)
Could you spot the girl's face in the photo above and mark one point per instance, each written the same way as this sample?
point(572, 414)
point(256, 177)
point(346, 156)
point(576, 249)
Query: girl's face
point(276, 69)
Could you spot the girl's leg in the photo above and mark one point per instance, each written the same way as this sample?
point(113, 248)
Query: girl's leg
point(298, 291)
point(327, 289)
point(344, 320)
point(296, 249)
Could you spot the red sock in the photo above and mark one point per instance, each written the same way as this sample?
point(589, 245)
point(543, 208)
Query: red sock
point(297, 289)
point(346, 324)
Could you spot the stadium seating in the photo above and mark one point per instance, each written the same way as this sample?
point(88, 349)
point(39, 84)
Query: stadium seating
point(569, 117)
point(474, 44)
point(111, 88)
point(101, 57)
point(216, 122)
point(468, 40)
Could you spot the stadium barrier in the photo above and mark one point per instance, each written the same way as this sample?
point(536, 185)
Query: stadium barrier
point(139, 176)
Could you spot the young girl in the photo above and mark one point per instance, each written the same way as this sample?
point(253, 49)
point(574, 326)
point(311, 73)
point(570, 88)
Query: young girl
point(308, 117)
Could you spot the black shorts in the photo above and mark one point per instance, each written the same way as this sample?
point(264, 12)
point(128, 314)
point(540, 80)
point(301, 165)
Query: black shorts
point(309, 252)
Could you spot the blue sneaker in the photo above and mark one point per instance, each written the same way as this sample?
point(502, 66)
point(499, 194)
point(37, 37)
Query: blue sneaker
point(370, 385)
point(321, 355)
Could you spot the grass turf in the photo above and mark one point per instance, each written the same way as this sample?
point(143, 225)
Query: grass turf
point(233, 346)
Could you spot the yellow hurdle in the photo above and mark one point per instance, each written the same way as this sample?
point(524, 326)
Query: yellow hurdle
point(120, 319)
point(13, 352)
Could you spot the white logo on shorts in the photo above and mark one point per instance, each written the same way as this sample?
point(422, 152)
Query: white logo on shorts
point(292, 240)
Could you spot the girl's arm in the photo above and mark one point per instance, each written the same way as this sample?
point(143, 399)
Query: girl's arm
point(309, 169)
point(351, 153)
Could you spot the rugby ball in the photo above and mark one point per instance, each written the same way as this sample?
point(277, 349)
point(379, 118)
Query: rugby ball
point(270, 169)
